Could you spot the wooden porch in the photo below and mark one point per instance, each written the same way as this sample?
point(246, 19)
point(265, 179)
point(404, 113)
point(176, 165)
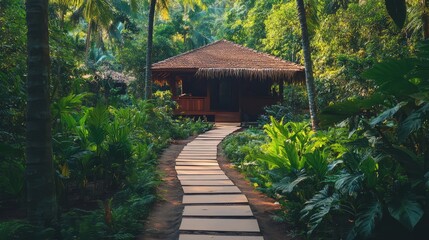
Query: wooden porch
point(249, 108)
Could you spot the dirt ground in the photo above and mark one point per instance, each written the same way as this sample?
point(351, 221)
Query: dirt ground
point(164, 220)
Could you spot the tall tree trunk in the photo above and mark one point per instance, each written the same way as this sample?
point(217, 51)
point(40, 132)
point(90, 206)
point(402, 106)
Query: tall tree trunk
point(40, 181)
point(148, 72)
point(88, 40)
point(309, 79)
point(425, 20)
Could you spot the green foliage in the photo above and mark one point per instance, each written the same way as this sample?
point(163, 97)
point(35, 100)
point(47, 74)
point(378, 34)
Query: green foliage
point(291, 109)
point(366, 220)
point(406, 209)
point(283, 32)
point(340, 184)
point(318, 207)
point(101, 151)
point(11, 177)
point(24, 230)
point(241, 147)
point(352, 181)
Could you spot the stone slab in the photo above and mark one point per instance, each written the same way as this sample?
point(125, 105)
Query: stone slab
point(196, 157)
point(208, 145)
point(200, 148)
point(210, 139)
point(197, 168)
point(217, 237)
point(195, 163)
point(214, 198)
point(206, 183)
point(219, 224)
point(214, 135)
point(196, 160)
point(201, 142)
point(211, 136)
point(217, 211)
point(203, 177)
point(193, 153)
point(198, 154)
point(210, 189)
point(199, 172)
point(197, 151)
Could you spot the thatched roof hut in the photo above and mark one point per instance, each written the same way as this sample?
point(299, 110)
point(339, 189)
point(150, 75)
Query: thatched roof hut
point(216, 80)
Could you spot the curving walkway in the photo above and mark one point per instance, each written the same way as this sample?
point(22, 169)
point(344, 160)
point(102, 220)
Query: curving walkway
point(214, 208)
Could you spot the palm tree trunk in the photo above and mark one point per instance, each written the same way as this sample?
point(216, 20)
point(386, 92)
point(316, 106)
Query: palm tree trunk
point(425, 20)
point(40, 181)
point(88, 40)
point(309, 79)
point(148, 72)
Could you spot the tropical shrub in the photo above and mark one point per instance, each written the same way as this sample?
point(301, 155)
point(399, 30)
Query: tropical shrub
point(291, 109)
point(105, 154)
point(366, 177)
point(241, 146)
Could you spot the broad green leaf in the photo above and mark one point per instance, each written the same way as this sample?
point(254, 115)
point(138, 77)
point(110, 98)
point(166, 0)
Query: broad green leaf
point(406, 210)
point(317, 161)
point(391, 77)
point(369, 167)
point(274, 161)
point(411, 163)
point(387, 114)
point(366, 219)
point(286, 186)
point(343, 110)
point(318, 207)
point(293, 157)
point(349, 184)
point(413, 122)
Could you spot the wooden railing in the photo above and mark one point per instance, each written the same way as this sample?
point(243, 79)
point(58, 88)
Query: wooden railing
point(191, 103)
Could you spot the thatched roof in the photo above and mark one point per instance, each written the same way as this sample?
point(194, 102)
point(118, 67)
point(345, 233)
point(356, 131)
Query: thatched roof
point(115, 76)
point(223, 59)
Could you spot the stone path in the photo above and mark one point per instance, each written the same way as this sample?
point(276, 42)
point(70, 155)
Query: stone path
point(214, 208)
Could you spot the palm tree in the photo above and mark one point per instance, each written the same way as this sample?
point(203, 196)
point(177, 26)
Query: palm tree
point(96, 13)
point(149, 47)
point(40, 181)
point(162, 4)
point(309, 79)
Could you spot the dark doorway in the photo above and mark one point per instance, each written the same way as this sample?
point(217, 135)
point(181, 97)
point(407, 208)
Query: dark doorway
point(224, 95)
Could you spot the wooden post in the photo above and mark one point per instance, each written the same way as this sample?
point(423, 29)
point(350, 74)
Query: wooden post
point(207, 99)
point(240, 96)
point(281, 90)
point(173, 86)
